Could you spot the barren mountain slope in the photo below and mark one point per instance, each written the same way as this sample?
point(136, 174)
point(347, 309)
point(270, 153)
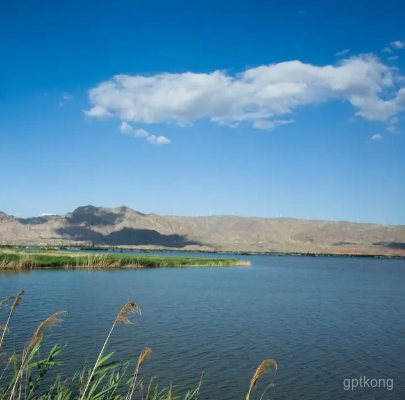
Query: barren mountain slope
point(124, 226)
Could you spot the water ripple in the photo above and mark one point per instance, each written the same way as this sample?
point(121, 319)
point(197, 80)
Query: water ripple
point(324, 320)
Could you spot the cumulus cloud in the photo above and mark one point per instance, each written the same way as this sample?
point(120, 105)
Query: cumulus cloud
point(142, 133)
point(99, 112)
point(377, 136)
point(342, 52)
point(398, 44)
point(257, 96)
point(126, 128)
point(270, 124)
point(158, 139)
point(392, 126)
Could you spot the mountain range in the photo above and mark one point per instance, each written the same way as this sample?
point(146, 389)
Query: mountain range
point(122, 226)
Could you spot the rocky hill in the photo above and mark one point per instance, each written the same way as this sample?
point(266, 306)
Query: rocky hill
point(122, 226)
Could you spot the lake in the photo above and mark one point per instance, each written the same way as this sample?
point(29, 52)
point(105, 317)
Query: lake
point(323, 319)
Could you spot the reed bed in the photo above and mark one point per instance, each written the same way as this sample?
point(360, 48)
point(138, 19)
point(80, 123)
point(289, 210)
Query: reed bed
point(103, 380)
point(35, 260)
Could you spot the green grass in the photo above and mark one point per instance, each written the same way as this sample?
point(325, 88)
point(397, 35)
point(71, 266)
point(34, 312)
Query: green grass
point(35, 260)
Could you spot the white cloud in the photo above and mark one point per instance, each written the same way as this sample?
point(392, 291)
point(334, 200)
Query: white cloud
point(392, 127)
point(393, 58)
point(126, 128)
point(269, 125)
point(141, 133)
point(257, 96)
point(99, 112)
point(387, 50)
point(158, 139)
point(398, 44)
point(46, 214)
point(377, 136)
point(129, 130)
point(342, 52)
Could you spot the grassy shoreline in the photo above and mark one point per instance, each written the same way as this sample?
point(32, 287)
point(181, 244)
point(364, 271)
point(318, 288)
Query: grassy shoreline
point(103, 248)
point(40, 260)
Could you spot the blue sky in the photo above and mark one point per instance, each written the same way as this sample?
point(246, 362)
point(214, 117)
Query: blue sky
point(253, 107)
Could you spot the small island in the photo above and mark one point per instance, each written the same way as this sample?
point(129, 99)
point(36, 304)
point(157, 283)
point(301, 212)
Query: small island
point(23, 260)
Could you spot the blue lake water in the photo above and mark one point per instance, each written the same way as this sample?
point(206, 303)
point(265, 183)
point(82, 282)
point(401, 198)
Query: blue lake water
point(323, 319)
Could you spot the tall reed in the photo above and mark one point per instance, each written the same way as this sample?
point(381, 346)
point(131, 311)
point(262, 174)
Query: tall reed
point(33, 346)
point(263, 368)
point(121, 318)
point(100, 382)
point(22, 260)
point(16, 302)
point(145, 353)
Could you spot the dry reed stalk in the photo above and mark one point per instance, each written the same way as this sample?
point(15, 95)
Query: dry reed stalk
point(36, 337)
point(121, 318)
point(130, 307)
point(14, 356)
point(149, 388)
point(50, 321)
point(9, 361)
point(261, 370)
point(17, 301)
point(145, 353)
point(265, 390)
point(169, 393)
point(6, 300)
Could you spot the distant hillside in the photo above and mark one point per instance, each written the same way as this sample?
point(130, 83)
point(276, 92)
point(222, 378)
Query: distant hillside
point(126, 227)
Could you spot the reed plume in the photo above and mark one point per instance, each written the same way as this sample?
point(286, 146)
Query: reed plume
point(50, 321)
point(128, 308)
point(36, 338)
point(145, 353)
point(17, 301)
point(261, 370)
point(121, 318)
point(7, 299)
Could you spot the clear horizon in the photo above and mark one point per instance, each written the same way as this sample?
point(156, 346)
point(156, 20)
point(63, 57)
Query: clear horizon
point(242, 108)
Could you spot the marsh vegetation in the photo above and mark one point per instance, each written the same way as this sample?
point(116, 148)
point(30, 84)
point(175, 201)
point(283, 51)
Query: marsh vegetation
point(10, 259)
point(25, 373)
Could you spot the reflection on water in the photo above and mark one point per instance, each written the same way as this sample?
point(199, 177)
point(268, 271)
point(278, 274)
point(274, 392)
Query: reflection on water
point(15, 272)
point(323, 319)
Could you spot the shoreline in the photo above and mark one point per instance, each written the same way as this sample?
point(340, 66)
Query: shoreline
point(29, 260)
point(146, 250)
